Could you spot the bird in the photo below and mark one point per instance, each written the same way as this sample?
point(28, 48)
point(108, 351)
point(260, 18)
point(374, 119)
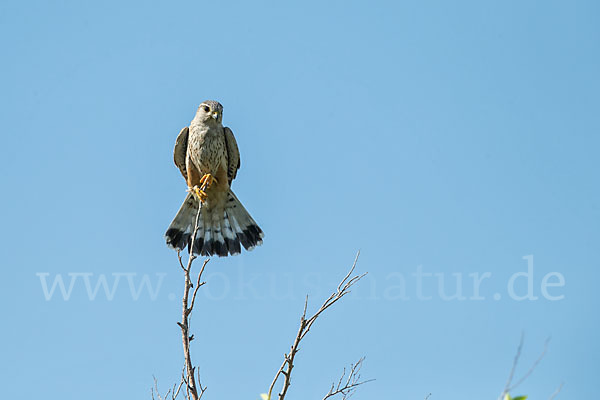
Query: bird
point(208, 157)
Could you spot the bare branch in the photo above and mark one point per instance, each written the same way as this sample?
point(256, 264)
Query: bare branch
point(533, 366)
point(346, 387)
point(189, 378)
point(176, 391)
point(155, 390)
point(305, 324)
point(514, 365)
point(202, 389)
point(557, 391)
point(509, 385)
point(180, 261)
point(198, 284)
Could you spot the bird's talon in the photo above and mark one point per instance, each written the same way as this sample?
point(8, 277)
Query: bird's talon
point(206, 181)
point(199, 193)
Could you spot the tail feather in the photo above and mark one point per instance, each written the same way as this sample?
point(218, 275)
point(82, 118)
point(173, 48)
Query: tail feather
point(233, 245)
point(199, 242)
point(207, 245)
point(221, 230)
point(246, 229)
point(179, 232)
point(218, 241)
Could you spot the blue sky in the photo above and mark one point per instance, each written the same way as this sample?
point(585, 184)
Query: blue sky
point(441, 137)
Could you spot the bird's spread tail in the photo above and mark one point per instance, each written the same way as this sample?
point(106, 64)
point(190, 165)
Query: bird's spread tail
point(221, 230)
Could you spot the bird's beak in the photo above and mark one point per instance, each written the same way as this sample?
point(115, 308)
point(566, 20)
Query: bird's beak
point(215, 115)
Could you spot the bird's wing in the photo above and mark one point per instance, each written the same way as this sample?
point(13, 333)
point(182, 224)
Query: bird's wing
point(233, 154)
point(180, 151)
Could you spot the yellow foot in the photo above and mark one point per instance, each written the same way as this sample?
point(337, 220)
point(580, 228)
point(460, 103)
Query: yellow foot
point(206, 181)
point(199, 192)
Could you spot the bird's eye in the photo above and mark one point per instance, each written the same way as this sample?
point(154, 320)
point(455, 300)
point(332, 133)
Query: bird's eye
point(206, 109)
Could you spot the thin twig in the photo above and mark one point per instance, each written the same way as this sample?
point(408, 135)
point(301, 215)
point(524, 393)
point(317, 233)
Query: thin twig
point(557, 391)
point(533, 366)
point(155, 388)
point(509, 385)
point(514, 365)
point(176, 392)
point(198, 284)
point(305, 324)
point(347, 387)
point(202, 388)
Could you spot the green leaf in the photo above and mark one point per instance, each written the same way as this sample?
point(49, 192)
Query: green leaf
point(520, 398)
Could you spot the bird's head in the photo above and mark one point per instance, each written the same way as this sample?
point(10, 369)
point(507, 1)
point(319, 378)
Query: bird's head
point(210, 111)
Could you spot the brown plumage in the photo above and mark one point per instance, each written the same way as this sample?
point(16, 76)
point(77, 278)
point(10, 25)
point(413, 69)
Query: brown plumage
point(206, 148)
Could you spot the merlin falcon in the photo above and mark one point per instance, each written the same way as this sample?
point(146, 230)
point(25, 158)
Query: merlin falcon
point(207, 155)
